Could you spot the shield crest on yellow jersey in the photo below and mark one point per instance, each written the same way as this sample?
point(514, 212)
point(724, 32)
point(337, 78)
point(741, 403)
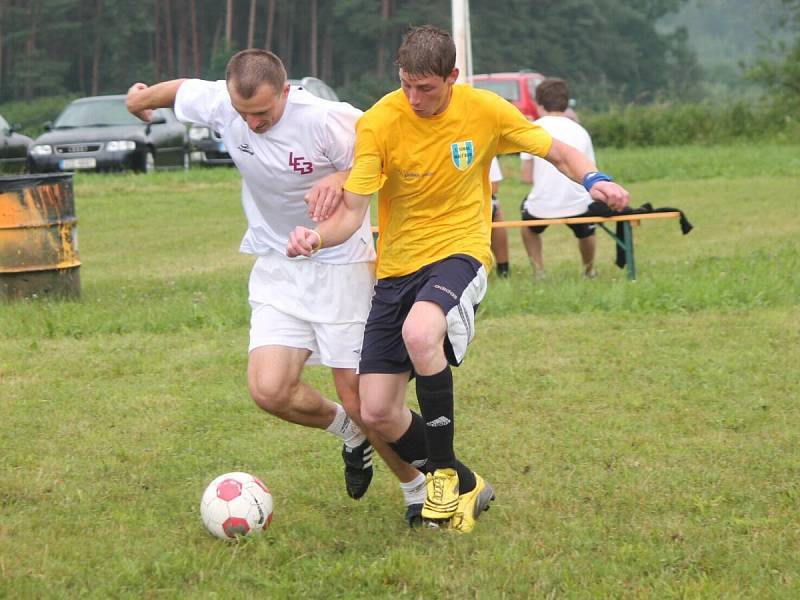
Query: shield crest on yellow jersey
point(463, 154)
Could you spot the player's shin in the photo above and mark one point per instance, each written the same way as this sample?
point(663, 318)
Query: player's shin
point(435, 397)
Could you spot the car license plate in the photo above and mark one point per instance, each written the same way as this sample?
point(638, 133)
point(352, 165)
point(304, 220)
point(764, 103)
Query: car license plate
point(222, 147)
point(78, 163)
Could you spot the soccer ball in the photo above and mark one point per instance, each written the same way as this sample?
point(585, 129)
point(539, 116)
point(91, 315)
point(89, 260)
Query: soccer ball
point(236, 504)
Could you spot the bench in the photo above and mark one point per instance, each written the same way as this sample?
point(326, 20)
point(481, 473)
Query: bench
point(625, 244)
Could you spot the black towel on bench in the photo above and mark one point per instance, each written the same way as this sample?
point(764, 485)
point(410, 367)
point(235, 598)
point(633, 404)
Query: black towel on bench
point(600, 209)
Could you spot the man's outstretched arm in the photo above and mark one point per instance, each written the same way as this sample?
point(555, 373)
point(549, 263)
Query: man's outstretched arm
point(142, 98)
point(332, 232)
point(579, 168)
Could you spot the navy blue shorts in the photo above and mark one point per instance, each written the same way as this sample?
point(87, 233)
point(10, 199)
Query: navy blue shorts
point(456, 283)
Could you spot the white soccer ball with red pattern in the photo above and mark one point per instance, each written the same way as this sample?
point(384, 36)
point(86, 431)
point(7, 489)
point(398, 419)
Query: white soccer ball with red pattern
point(236, 504)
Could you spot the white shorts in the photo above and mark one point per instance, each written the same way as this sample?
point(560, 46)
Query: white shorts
point(307, 304)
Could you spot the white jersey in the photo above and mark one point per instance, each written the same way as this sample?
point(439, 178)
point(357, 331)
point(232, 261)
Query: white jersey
point(312, 139)
point(495, 172)
point(553, 194)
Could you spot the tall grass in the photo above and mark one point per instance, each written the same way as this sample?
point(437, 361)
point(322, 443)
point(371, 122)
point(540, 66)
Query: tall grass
point(641, 436)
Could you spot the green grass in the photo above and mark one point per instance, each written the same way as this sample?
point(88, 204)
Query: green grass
point(642, 437)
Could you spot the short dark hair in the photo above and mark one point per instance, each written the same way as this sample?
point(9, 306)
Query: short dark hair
point(249, 69)
point(427, 50)
point(553, 94)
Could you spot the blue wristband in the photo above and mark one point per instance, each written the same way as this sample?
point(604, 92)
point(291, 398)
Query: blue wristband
point(593, 177)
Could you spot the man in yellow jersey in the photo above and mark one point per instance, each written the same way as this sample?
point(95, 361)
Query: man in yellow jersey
point(428, 147)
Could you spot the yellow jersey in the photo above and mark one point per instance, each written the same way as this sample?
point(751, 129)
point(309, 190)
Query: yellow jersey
point(433, 174)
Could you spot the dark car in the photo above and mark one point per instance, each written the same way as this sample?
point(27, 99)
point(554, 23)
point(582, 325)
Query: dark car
point(99, 133)
point(13, 148)
point(207, 145)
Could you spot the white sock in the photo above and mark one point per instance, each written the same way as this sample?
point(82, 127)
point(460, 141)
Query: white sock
point(344, 428)
point(414, 491)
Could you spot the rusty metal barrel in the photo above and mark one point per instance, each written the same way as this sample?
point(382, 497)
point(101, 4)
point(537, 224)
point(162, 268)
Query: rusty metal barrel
point(38, 237)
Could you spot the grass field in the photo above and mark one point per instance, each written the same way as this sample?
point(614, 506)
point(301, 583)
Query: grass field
point(642, 437)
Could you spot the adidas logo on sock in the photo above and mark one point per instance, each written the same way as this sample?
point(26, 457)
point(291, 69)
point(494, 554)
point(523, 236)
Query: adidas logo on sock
point(439, 422)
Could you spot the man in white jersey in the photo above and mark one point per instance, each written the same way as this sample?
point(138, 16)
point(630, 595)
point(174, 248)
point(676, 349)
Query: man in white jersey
point(294, 151)
point(552, 194)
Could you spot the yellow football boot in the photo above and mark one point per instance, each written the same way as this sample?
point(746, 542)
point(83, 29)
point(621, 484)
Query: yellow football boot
point(471, 505)
point(442, 497)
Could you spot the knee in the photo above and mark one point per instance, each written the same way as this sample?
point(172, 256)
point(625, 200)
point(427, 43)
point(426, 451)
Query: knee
point(272, 394)
point(419, 341)
point(377, 419)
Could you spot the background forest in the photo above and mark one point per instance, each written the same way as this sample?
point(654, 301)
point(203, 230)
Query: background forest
point(614, 53)
point(623, 50)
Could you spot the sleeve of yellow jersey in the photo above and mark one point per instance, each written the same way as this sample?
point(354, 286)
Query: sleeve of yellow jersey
point(517, 134)
point(366, 176)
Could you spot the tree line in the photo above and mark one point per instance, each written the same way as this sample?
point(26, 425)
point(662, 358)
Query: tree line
point(609, 50)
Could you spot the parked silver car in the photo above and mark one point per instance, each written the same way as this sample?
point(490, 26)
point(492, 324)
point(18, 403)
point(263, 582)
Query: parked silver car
point(13, 148)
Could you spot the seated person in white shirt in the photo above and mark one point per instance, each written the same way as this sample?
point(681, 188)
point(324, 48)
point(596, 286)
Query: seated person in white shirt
point(552, 194)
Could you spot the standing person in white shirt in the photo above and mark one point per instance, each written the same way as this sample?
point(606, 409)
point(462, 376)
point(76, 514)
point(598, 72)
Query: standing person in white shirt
point(294, 152)
point(552, 194)
point(499, 235)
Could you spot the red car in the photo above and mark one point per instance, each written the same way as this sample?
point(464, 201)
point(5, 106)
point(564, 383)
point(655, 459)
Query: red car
point(518, 88)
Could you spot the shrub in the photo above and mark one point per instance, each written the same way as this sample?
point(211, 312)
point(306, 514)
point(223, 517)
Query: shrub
point(666, 124)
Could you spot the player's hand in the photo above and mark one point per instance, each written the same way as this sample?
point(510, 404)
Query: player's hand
point(613, 194)
point(325, 196)
point(145, 114)
point(302, 242)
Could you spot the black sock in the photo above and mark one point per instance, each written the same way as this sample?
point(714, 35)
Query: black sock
point(435, 396)
point(502, 269)
point(411, 446)
point(466, 478)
